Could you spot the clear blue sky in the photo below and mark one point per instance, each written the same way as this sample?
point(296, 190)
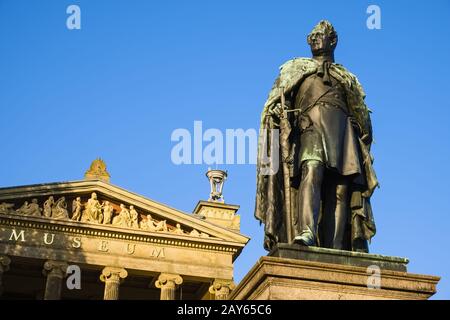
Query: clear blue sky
point(137, 70)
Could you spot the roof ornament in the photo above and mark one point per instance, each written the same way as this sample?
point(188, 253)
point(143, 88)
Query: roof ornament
point(97, 171)
point(216, 180)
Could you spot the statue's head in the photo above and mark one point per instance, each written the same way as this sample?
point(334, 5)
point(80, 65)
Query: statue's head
point(323, 39)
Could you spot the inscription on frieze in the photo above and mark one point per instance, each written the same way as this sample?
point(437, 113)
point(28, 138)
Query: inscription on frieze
point(34, 238)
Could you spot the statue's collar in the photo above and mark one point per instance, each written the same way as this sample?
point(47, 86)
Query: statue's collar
point(323, 71)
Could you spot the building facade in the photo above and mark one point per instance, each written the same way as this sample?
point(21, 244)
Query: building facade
point(90, 239)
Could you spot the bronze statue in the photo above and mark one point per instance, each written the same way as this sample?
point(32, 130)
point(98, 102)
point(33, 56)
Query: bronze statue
point(320, 195)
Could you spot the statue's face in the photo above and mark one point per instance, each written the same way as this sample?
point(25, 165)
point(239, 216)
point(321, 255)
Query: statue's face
point(320, 43)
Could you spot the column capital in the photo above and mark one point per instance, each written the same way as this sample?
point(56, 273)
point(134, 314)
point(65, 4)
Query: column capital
point(113, 274)
point(55, 268)
point(5, 261)
point(221, 288)
point(168, 280)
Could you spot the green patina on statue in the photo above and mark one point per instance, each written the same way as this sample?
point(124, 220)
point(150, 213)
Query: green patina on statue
point(320, 195)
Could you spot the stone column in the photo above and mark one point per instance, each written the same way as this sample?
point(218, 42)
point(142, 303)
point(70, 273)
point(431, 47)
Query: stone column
point(55, 272)
point(221, 288)
point(168, 283)
point(4, 266)
point(112, 277)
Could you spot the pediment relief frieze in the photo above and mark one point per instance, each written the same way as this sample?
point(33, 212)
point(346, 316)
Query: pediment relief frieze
point(94, 208)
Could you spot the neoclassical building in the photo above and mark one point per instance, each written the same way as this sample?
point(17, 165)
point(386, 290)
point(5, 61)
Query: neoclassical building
point(122, 245)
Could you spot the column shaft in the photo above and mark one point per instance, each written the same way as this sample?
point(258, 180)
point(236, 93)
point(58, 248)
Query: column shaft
point(167, 293)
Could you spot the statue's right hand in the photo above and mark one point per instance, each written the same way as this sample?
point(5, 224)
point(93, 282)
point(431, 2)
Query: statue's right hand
point(276, 110)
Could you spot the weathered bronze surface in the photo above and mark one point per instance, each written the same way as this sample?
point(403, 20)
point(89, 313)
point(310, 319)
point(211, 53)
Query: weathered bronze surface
point(320, 196)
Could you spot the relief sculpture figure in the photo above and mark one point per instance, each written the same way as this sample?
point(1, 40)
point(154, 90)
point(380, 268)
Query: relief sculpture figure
point(48, 205)
point(59, 210)
point(123, 219)
point(108, 210)
point(93, 211)
point(76, 209)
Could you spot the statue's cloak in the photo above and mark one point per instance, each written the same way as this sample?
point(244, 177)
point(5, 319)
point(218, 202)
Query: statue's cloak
point(270, 202)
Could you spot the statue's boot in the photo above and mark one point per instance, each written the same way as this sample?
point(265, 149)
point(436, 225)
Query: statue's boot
point(305, 238)
point(268, 243)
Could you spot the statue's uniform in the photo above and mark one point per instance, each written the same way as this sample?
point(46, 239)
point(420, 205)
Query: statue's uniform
point(326, 131)
point(328, 150)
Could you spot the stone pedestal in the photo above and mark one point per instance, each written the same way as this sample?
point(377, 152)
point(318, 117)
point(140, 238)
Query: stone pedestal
point(293, 272)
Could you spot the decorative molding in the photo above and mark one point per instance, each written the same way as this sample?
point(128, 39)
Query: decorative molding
point(86, 229)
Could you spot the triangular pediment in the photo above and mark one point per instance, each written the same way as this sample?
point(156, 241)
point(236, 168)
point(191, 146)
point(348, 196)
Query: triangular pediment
point(101, 204)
